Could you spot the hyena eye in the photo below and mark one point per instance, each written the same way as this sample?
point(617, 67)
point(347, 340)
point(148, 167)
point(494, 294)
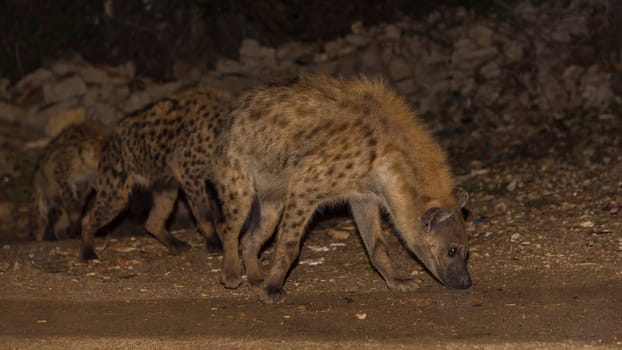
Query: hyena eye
point(452, 251)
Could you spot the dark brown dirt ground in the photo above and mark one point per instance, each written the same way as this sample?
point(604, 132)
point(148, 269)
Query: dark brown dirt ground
point(546, 262)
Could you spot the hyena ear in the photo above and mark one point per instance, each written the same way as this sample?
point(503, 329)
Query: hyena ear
point(462, 196)
point(433, 216)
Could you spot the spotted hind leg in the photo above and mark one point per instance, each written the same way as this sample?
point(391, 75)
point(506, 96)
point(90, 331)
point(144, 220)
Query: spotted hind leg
point(256, 237)
point(110, 201)
point(163, 205)
point(296, 215)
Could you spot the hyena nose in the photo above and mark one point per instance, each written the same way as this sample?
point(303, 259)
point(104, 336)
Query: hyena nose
point(465, 281)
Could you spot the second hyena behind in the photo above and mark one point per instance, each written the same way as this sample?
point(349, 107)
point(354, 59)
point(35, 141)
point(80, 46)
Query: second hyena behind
point(64, 178)
point(321, 140)
point(154, 149)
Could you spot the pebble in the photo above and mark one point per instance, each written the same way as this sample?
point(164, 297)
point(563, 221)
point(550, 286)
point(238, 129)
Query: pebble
point(587, 224)
point(512, 185)
point(339, 235)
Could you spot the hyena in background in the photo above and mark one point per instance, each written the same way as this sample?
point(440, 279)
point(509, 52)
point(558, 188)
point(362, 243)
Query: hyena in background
point(63, 180)
point(142, 153)
point(321, 140)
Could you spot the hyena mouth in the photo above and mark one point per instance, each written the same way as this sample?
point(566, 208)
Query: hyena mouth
point(460, 281)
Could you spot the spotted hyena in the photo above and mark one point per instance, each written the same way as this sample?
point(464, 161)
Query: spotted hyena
point(63, 179)
point(147, 150)
point(319, 141)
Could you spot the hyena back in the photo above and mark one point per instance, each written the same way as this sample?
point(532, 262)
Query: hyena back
point(321, 140)
point(63, 179)
point(143, 152)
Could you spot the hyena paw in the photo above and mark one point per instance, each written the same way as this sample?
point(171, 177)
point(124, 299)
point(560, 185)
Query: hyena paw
point(230, 280)
point(402, 284)
point(213, 244)
point(87, 254)
point(254, 282)
point(272, 295)
point(178, 246)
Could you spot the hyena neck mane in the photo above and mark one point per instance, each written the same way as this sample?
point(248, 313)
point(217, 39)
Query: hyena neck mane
point(408, 148)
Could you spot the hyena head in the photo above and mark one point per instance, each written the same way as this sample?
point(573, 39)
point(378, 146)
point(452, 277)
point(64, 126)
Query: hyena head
point(443, 247)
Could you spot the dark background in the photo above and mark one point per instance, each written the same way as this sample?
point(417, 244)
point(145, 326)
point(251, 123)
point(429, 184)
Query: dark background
point(156, 33)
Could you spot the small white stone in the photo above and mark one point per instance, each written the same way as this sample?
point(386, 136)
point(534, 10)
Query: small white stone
point(587, 224)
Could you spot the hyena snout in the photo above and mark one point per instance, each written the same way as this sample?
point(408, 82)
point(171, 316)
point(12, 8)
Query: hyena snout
point(457, 279)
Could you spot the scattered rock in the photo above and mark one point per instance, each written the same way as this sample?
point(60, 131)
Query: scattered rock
point(568, 28)
point(467, 51)
point(587, 224)
point(392, 32)
point(34, 80)
point(338, 234)
point(10, 113)
point(6, 211)
point(512, 185)
point(406, 87)
point(481, 35)
point(56, 123)
point(357, 39)
point(158, 91)
point(64, 89)
point(4, 85)
point(399, 68)
point(295, 52)
point(357, 27)
point(252, 53)
point(226, 66)
point(136, 101)
point(103, 112)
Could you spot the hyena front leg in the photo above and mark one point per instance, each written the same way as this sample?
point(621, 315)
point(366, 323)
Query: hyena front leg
point(59, 219)
point(366, 214)
point(75, 207)
point(256, 237)
point(74, 212)
point(68, 223)
point(163, 205)
point(39, 218)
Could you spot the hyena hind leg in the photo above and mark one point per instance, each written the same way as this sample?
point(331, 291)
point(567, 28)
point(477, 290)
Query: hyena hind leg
point(200, 203)
point(109, 203)
point(256, 237)
point(212, 240)
point(366, 213)
point(163, 205)
point(237, 210)
point(296, 215)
